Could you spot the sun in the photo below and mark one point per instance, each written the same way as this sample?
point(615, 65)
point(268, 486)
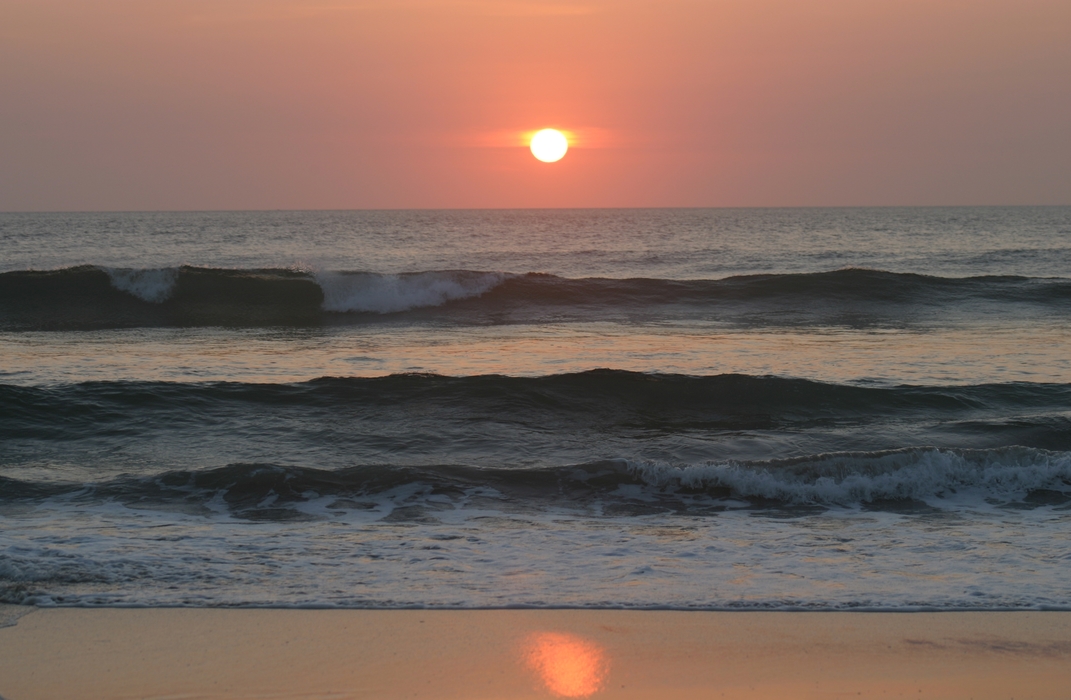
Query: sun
point(549, 145)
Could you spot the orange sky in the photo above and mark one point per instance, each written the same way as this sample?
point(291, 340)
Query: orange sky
point(276, 104)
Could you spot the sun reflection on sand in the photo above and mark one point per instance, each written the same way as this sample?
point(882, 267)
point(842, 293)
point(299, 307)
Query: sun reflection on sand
point(569, 666)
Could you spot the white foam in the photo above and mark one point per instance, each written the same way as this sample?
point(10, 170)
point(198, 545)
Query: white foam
point(106, 554)
point(920, 474)
point(384, 294)
point(154, 285)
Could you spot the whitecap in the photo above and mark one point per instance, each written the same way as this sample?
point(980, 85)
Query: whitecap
point(385, 293)
point(154, 285)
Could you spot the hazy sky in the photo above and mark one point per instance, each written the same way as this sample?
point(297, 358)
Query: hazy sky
point(278, 104)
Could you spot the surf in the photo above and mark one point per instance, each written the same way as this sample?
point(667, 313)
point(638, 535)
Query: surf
point(93, 297)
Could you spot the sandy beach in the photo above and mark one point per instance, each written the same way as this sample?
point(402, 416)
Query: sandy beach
point(258, 653)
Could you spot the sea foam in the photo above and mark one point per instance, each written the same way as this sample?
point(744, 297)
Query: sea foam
point(151, 285)
point(386, 293)
point(1006, 474)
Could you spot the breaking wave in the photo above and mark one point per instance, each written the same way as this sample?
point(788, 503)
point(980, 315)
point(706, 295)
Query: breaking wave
point(383, 294)
point(891, 478)
point(95, 297)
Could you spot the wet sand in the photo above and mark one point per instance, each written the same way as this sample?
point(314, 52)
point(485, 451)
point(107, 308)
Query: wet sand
point(506, 654)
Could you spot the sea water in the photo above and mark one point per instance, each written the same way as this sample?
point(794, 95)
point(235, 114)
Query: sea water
point(709, 408)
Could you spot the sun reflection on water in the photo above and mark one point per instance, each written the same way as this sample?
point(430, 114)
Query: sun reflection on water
point(569, 666)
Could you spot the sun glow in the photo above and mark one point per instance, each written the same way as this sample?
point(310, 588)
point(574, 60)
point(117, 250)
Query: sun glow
point(569, 666)
point(549, 145)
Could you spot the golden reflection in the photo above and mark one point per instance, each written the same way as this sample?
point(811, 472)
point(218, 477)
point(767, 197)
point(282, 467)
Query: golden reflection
point(569, 666)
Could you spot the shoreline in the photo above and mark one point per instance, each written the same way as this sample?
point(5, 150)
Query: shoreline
point(222, 653)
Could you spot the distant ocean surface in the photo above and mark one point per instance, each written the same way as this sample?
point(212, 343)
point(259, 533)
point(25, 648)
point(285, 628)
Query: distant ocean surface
point(700, 409)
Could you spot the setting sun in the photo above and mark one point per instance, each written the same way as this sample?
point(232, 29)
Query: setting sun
point(549, 145)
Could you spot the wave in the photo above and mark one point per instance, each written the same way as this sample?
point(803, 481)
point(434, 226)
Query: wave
point(383, 294)
point(902, 479)
point(635, 398)
point(495, 419)
point(96, 297)
point(342, 292)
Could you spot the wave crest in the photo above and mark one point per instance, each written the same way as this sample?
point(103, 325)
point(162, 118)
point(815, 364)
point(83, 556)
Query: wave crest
point(94, 297)
point(918, 474)
point(940, 478)
point(152, 285)
point(384, 294)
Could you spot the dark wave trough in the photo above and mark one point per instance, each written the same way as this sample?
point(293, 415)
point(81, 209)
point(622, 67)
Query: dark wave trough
point(603, 397)
point(515, 422)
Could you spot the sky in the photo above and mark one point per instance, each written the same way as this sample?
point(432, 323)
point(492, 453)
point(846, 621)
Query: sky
point(368, 104)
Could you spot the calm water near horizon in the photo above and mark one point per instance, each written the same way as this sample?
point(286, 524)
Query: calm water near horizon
point(863, 408)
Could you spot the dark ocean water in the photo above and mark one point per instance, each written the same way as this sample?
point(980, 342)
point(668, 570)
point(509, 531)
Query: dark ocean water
point(820, 409)
point(88, 297)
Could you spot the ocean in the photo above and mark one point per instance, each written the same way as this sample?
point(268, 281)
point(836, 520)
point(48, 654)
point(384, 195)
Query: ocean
point(717, 409)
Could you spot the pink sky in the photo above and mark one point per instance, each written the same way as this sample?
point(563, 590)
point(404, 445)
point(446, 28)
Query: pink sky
point(279, 104)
